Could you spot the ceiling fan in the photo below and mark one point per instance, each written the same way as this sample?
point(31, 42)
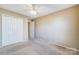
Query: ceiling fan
point(33, 8)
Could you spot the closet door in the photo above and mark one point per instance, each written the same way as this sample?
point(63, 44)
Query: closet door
point(12, 29)
point(32, 29)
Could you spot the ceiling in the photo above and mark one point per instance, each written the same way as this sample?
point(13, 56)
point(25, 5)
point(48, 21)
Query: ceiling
point(43, 9)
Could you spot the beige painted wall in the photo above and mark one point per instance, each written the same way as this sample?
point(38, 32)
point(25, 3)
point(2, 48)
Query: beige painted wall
point(60, 27)
point(0, 30)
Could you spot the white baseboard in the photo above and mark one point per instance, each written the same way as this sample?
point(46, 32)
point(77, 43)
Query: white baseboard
point(74, 49)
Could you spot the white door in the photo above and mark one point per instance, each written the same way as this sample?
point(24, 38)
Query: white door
point(32, 30)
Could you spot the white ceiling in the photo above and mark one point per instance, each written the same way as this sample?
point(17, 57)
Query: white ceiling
point(43, 9)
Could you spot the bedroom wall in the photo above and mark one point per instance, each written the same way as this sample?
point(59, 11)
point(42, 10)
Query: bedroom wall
point(60, 27)
point(0, 30)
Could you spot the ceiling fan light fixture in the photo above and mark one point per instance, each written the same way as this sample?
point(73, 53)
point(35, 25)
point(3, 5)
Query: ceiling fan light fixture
point(33, 9)
point(33, 12)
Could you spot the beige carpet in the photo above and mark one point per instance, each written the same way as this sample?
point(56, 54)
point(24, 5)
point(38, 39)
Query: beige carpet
point(33, 47)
